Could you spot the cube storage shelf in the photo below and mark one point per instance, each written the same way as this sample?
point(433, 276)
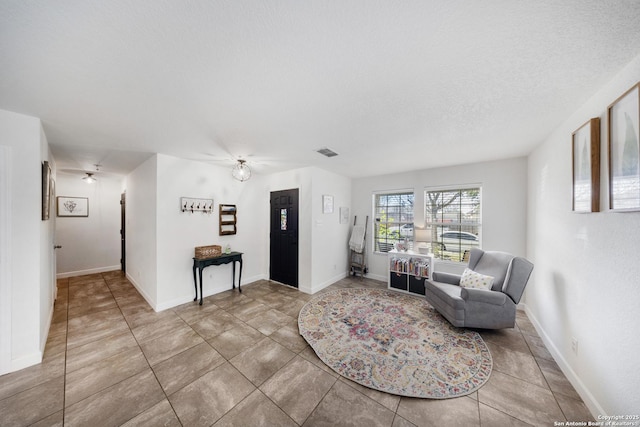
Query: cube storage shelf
point(408, 271)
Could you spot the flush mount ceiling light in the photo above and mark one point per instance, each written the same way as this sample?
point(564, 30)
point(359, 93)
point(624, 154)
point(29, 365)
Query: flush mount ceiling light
point(89, 179)
point(241, 171)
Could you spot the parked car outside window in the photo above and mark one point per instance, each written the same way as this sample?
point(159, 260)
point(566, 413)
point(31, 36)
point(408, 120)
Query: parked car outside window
point(458, 241)
point(406, 230)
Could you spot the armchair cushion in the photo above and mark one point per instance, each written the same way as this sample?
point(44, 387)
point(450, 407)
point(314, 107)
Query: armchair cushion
point(446, 299)
point(493, 264)
point(475, 280)
point(517, 278)
point(480, 295)
point(441, 276)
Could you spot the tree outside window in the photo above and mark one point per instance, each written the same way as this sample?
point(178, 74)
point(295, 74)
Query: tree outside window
point(453, 219)
point(393, 214)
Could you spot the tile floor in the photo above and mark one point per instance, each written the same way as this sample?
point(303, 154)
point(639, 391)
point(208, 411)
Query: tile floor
point(239, 361)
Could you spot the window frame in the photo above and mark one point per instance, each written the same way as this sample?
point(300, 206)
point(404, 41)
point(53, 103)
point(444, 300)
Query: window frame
point(375, 222)
point(458, 226)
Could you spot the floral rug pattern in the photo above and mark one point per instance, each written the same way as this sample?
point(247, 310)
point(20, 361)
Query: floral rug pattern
point(394, 343)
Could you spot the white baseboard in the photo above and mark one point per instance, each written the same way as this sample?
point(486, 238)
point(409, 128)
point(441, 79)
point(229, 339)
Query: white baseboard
point(26, 361)
point(43, 340)
point(33, 358)
point(174, 303)
point(304, 290)
point(146, 297)
point(89, 271)
point(376, 277)
point(328, 282)
point(206, 293)
point(250, 280)
point(587, 397)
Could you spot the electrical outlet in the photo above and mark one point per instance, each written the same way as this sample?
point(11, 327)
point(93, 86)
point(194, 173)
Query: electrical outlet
point(574, 345)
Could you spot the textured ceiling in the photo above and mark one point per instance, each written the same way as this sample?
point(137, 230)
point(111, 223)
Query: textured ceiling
point(389, 85)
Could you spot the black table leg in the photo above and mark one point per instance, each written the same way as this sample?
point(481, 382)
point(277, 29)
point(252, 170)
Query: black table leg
point(200, 271)
point(195, 283)
point(233, 275)
point(239, 275)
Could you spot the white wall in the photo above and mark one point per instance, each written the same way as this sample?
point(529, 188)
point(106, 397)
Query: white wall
point(6, 242)
point(329, 238)
point(30, 289)
point(504, 201)
point(322, 240)
point(89, 244)
point(178, 233)
point(161, 238)
point(141, 229)
point(586, 277)
point(48, 283)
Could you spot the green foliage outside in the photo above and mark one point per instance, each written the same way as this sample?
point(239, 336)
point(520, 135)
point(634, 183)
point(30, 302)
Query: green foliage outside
point(386, 235)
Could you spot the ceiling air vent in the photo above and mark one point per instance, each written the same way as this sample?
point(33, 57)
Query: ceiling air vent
point(326, 152)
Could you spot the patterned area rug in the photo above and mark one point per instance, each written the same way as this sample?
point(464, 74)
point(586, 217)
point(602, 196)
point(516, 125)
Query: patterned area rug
point(394, 343)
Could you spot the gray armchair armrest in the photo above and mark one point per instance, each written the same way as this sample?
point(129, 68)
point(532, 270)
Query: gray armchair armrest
point(480, 295)
point(451, 279)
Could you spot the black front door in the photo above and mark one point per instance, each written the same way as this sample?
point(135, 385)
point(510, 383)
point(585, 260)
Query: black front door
point(283, 266)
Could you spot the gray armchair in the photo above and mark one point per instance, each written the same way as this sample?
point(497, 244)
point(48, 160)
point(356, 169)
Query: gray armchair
point(476, 308)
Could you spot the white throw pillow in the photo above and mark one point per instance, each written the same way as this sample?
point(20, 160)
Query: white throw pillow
point(471, 279)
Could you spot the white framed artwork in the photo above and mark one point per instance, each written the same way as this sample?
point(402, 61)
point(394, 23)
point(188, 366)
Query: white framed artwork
point(327, 204)
point(344, 215)
point(72, 206)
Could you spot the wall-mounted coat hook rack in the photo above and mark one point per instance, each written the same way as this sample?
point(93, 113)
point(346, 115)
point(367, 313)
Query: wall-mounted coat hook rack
point(190, 204)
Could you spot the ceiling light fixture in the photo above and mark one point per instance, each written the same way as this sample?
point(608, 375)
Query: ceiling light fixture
point(89, 179)
point(241, 171)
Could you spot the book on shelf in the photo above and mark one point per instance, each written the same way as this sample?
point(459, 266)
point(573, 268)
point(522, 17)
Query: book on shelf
point(399, 265)
point(419, 267)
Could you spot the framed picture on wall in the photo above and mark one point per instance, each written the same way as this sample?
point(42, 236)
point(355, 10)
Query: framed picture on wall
point(72, 206)
point(327, 204)
point(624, 151)
point(586, 167)
point(344, 215)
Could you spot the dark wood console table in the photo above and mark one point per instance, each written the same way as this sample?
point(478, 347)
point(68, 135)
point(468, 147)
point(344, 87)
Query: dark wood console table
point(201, 263)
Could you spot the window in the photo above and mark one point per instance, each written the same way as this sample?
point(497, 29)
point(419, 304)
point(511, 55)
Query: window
point(453, 221)
point(393, 213)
